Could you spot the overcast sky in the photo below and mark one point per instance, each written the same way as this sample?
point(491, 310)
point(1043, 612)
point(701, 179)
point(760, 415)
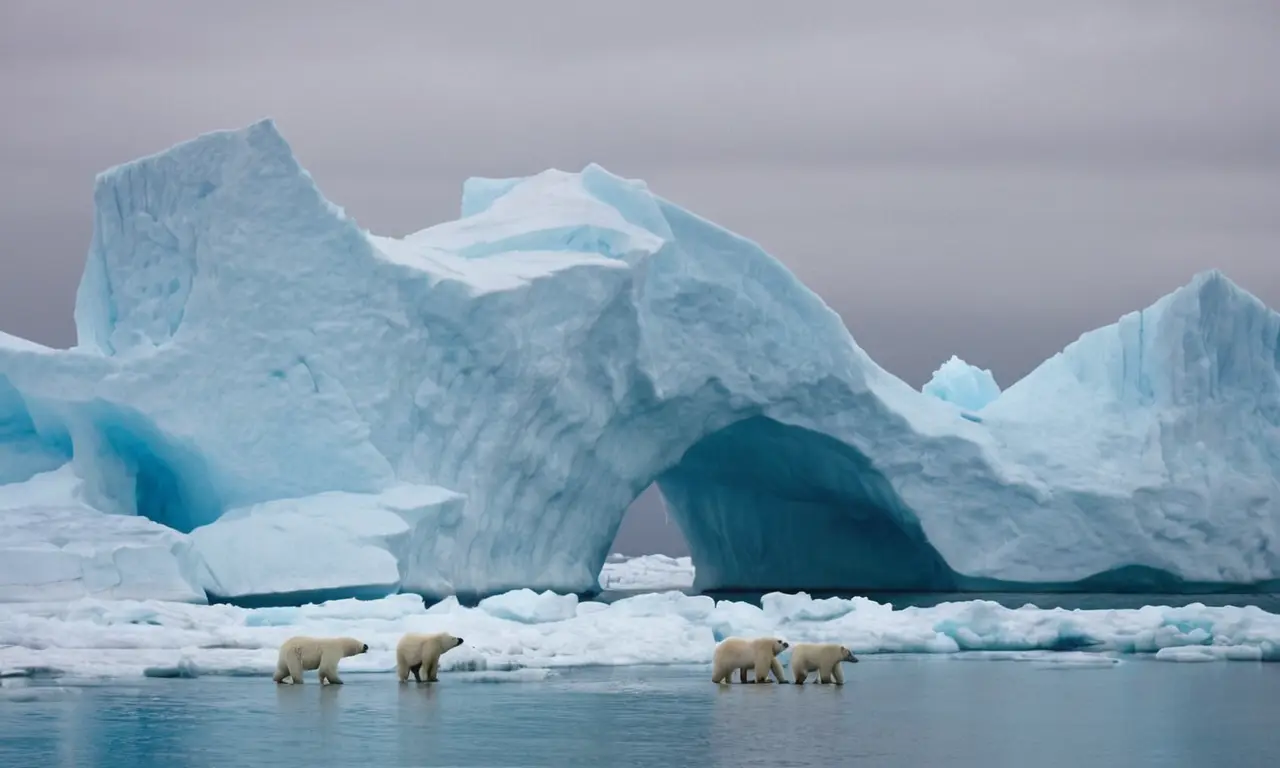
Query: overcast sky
point(988, 179)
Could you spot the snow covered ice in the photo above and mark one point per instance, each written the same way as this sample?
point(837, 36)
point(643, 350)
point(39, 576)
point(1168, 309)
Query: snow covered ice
point(648, 572)
point(55, 547)
point(269, 404)
point(525, 630)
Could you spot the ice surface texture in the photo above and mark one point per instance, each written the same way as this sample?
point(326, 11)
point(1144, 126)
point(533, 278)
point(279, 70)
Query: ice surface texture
point(965, 385)
point(244, 345)
point(646, 572)
point(513, 634)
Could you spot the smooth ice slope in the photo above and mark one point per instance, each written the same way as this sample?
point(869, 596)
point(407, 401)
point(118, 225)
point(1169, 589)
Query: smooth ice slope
point(516, 635)
point(965, 385)
point(329, 545)
point(573, 338)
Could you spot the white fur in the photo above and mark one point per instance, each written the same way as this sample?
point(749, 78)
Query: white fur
point(298, 654)
point(740, 653)
point(415, 651)
point(823, 658)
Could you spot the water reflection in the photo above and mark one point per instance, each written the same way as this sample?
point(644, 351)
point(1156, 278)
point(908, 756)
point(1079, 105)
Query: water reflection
point(913, 711)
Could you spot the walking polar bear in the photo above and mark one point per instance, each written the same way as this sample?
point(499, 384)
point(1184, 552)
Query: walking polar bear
point(823, 658)
point(740, 653)
point(415, 651)
point(298, 654)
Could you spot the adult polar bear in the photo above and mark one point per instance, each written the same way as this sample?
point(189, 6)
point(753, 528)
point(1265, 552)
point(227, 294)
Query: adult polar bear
point(741, 653)
point(823, 658)
point(301, 653)
point(416, 650)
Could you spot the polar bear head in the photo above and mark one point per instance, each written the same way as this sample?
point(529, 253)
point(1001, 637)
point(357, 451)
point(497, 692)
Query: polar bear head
point(847, 655)
point(448, 641)
point(352, 647)
point(779, 646)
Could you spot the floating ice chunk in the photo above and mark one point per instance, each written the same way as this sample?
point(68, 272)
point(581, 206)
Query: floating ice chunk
point(646, 572)
point(800, 607)
point(529, 607)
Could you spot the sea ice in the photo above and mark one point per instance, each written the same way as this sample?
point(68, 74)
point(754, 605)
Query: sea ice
point(246, 351)
point(518, 630)
point(529, 607)
point(646, 572)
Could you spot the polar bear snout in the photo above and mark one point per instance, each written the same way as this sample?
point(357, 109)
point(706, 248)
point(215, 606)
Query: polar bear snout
point(785, 645)
point(364, 647)
point(457, 641)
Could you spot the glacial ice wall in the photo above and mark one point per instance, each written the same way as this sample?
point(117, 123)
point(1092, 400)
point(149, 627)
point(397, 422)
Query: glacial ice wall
point(471, 408)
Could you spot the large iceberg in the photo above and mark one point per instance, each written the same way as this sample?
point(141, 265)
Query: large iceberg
point(315, 410)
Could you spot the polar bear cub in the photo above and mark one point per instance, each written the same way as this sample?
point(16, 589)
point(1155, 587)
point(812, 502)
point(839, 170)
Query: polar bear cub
point(823, 658)
point(300, 653)
point(416, 650)
point(740, 653)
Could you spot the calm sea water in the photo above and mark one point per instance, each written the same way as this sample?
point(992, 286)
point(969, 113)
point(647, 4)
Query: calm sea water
point(894, 711)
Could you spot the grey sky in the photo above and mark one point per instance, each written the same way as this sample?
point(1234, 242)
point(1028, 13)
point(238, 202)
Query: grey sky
point(988, 179)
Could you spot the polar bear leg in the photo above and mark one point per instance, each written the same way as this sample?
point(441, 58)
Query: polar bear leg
point(742, 675)
point(293, 661)
point(762, 669)
point(719, 672)
point(282, 671)
point(799, 673)
point(329, 667)
point(824, 675)
point(402, 666)
point(837, 674)
point(776, 668)
point(433, 671)
point(416, 669)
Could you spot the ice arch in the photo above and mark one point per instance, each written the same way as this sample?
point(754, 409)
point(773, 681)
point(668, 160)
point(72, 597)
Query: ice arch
point(769, 506)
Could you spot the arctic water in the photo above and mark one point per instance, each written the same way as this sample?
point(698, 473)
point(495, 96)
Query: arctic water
point(894, 711)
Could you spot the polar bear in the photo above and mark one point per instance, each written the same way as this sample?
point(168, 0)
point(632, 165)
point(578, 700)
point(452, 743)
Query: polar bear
point(823, 658)
point(740, 653)
point(415, 651)
point(321, 653)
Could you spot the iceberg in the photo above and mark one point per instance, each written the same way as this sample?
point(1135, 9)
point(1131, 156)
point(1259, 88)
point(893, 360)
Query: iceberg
point(965, 385)
point(310, 411)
